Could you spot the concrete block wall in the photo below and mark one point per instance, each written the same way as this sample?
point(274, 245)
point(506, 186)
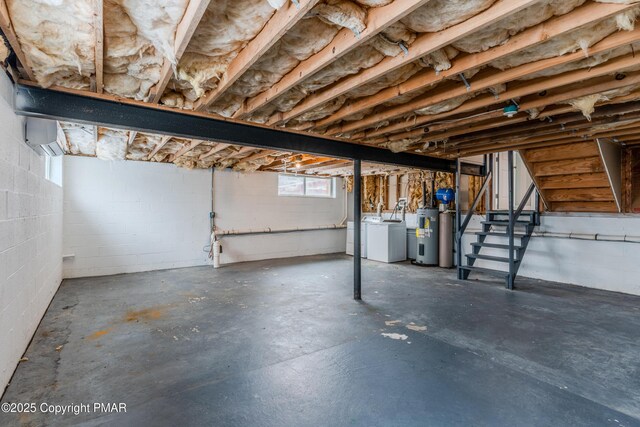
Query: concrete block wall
point(124, 217)
point(30, 238)
point(250, 201)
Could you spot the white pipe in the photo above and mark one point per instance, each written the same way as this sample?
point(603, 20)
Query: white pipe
point(216, 254)
point(269, 230)
point(346, 203)
point(579, 236)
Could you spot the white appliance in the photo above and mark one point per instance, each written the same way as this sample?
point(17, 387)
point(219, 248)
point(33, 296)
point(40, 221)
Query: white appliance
point(363, 239)
point(42, 136)
point(412, 243)
point(387, 241)
point(366, 220)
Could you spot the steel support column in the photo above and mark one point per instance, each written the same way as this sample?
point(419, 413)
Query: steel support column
point(357, 218)
point(511, 229)
point(458, 221)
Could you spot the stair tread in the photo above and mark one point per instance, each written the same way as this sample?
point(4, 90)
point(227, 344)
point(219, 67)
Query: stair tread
point(506, 211)
point(490, 257)
point(494, 233)
point(494, 245)
point(506, 222)
point(498, 273)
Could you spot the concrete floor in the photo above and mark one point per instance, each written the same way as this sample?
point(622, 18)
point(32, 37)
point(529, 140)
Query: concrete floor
point(281, 343)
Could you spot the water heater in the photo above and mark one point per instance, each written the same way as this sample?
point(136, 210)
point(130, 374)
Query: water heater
point(427, 236)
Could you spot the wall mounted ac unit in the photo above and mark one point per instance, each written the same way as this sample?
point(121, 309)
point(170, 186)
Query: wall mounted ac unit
point(42, 136)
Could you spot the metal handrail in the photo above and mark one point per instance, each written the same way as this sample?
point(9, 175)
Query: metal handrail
point(523, 202)
point(473, 207)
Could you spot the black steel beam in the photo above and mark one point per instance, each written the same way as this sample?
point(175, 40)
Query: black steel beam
point(58, 105)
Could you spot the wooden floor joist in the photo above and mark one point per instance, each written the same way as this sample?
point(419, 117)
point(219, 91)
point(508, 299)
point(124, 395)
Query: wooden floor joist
point(422, 46)
point(9, 33)
point(489, 79)
point(467, 126)
point(378, 20)
point(187, 27)
point(281, 22)
point(537, 86)
point(218, 148)
point(556, 140)
point(585, 15)
point(98, 24)
point(187, 148)
point(161, 144)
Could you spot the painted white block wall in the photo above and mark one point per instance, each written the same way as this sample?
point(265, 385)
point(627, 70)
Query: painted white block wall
point(612, 266)
point(30, 238)
point(251, 201)
point(124, 217)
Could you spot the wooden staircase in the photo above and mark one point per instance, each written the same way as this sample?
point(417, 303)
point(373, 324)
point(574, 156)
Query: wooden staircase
point(577, 177)
point(497, 225)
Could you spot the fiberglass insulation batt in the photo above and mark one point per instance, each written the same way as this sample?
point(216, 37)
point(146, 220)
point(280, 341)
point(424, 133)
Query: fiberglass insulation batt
point(58, 37)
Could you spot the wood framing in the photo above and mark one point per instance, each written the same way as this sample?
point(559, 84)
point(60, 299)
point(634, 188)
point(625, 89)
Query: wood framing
point(587, 14)
point(192, 16)
point(162, 143)
point(98, 23)
point(488, 79)
point(611, 155)
point(7, 29)
point(538, 86)
point(281, 22)
point(421, 47)
point(345, 41)
point(184, 150)
point(258, 156)
point(218, 147)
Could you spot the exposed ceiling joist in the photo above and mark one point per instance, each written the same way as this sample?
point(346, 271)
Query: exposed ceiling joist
point(7, 30)
point(579, 132)
point(329, 165)
point(550, 139)
point(483, 144)
point(187, 148)
point(281, 22)
point(260, 155)
point(190, 20)
point(310, 164)
point(98, 24)
point(238, 154)
point(573, 121)
point(161, 144)
point(422, 46)
point(280, 164)
point(487, 121)
point(489, 78)
point(345, 41)
point(585, 15)
point(608, 68)
point(218, 147)
point(132, 137)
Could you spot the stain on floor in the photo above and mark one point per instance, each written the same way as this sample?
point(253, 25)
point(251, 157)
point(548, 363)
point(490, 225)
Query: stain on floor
point(282, 343)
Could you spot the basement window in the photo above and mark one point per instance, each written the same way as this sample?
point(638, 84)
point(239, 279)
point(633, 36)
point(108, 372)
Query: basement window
point(53, 169)
point(306, 186)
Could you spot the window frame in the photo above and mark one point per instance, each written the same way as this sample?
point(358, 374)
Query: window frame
point(304, 186)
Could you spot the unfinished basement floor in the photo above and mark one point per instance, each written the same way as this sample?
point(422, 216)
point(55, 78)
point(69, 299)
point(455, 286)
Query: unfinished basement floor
point(281, 343)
